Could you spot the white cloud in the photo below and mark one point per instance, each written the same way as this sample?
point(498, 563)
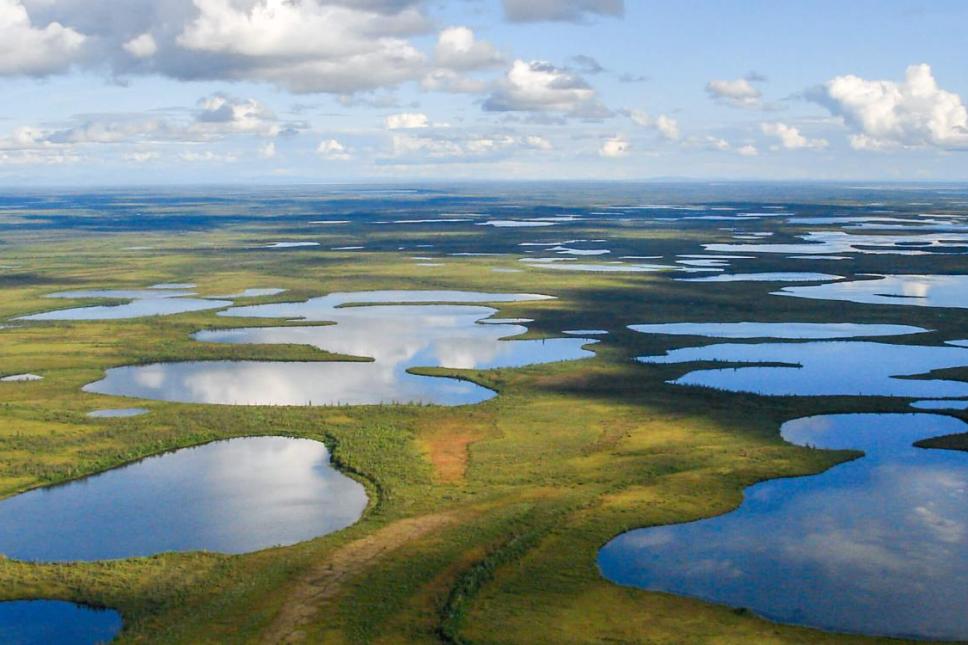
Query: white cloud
point(143, 46)
point(306, 46)
point(447, 80)
point(332, 149)
point(459, 146)
point(141, 156)
point(539, 143)
point(407, 121)
point(885, 114)
point(708, 142)
point(332, 46)
point(665, 125)
point(615, 147)
point(790, 137)
point(31, 50)
point(539, 86)
point(268, 151)
point(560, 10)
point(736, 93)
point(207, 157)
point(748, 150)
point(458, 48)
point(217, 118)
point(223, 112)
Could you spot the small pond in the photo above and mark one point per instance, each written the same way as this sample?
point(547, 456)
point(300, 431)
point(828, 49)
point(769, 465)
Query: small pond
point(878, 545)
point(230, 496)
point(117, 413)
point(49, 622)
point(21, 378)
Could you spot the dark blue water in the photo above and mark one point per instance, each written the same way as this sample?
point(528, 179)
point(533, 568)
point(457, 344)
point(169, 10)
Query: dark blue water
point(54, 622)
point(229, 496)
point(878, 545)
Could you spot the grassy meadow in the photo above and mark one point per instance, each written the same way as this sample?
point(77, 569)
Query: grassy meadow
point(485, 520)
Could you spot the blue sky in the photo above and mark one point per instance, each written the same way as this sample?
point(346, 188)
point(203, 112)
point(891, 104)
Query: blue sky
point(168, 91)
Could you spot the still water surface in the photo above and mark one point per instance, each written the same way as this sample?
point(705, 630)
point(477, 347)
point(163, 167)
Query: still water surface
point(878, 545)
point(230, 496)
point(832, 368)
point(397, 337)
point(47, 622)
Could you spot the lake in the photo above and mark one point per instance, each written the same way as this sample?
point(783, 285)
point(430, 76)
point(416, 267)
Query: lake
point(878, 545)
point(424, 335)
point(231, 496)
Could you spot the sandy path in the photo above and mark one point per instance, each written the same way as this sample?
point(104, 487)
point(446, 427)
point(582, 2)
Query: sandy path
point(322, 582)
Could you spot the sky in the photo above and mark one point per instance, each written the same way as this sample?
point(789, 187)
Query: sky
point(115, 92)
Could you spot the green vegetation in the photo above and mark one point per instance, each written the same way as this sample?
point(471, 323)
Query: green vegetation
point(485, 519)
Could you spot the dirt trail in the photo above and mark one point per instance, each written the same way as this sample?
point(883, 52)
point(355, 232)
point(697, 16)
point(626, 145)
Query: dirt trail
point(325, 580)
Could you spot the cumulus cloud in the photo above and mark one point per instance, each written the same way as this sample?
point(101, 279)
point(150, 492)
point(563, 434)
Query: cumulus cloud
point(332, 149)
point(140, 156)
point(790, 137)
point(407, 121)
point(413, 148)
point(560, 10)
point(220, 111)
point(307, 46)
point(915, 112)
point(143, 46)
point(333, 46)
point(615, 147)
point(538, 143)
point(30, 49)
point(208, 156)
point(457, 48)
point(665, 125)
point(137, 137)
point(538, 86)
point(447, 80)
point(719, 144)
point(738, 92)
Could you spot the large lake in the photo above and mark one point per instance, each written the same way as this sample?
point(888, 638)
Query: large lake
point(397, 337)
point(230, 496)
point(878, 545)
